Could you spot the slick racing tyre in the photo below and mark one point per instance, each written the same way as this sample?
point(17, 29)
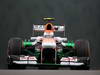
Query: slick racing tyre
point(15, 46)
point(82, 48)
point(14, 49)
point(82, 51)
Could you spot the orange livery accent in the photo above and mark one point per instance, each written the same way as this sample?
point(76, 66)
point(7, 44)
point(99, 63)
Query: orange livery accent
point(49, 27)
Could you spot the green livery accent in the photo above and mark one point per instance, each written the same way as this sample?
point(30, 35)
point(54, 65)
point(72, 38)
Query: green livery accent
point(60, 54)
point(37, 53)
point(70, 43)
point(27, 43)
point(29, 52)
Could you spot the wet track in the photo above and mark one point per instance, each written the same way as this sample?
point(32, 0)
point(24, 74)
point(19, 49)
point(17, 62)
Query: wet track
point(80, 16)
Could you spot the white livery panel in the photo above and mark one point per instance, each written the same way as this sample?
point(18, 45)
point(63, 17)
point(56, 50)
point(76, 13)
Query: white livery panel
point(42, 28)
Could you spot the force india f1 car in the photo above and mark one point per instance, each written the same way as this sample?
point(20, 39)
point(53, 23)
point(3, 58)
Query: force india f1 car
point(48, 50)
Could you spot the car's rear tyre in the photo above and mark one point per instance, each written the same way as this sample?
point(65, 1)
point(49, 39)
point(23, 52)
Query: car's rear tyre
point(82, 49)
point(14, 48)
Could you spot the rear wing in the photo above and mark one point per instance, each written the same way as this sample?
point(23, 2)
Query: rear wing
point(41, 28)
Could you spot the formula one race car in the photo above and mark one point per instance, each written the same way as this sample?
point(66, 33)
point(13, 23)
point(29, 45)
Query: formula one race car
point(48, 50)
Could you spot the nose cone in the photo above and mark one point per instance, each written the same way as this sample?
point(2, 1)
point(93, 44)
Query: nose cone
point(48, 43)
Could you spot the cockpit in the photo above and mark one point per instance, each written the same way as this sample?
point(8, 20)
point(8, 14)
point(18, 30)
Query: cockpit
point(49, 27)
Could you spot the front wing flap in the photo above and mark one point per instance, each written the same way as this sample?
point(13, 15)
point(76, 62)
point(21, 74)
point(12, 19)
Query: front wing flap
point(31, 60)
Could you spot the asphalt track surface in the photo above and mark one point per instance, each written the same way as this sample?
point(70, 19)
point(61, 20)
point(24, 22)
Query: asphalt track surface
point(81, 17)
point(48, 72)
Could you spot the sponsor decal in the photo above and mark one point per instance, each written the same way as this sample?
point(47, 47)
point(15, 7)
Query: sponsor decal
point(28, 58)
point(25, 62)
point(73, 59)
point(72, 63)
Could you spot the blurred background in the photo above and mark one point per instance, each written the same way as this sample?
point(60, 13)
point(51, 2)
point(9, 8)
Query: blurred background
point(81, 17)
